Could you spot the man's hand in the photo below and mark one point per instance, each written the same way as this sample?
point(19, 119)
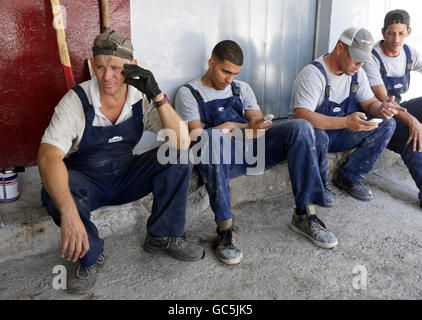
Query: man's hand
point(389, 108)
point(257, 127)
point(357, 122)
point(146, 82)
point(74, 237)
point(415, 135)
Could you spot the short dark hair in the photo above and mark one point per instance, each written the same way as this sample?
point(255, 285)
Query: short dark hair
point(228, 50)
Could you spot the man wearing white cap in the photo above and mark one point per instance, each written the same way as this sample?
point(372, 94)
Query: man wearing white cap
point(389, 75)
point(334, 95)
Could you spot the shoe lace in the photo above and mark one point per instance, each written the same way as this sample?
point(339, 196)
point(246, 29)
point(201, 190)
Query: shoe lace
point(228, 237)
point(317, 223)
point(178, 242)
point(356, 186)
point(101, 259)
point(89, 271)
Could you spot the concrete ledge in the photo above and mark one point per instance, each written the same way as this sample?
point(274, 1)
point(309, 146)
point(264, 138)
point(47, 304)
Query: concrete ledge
point(28, 230)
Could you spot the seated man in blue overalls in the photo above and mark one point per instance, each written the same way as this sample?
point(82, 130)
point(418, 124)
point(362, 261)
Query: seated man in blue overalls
point(215, 107)
point(389, 75)
point(86, 161)
point(333, 94)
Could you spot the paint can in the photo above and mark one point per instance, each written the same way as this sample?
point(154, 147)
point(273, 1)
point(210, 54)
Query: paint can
point(9, 186)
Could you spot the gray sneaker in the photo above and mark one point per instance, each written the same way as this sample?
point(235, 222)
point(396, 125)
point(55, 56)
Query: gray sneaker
point(82, 279)
point(225, 250)
point(313, 228)
point(177, 248)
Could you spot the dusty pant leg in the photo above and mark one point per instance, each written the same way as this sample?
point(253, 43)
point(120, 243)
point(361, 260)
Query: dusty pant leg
point(295, 141)
point(321, 144)
point(87, 197)
point(169, 184)
point(369, 146)
point(217, 159)
point(412, 159)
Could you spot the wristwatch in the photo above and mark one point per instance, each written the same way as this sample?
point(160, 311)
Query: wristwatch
point(162, 101)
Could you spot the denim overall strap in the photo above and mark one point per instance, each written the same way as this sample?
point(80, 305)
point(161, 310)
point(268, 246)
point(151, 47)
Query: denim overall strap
point(383, 71)
point(85, 103)
point(216, 112)
point(351, 107)
point(409, 66)
point(324, 105)
point(236, 96)
point(198, 98)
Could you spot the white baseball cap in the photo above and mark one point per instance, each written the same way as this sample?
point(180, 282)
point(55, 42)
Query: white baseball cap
point(360, 42)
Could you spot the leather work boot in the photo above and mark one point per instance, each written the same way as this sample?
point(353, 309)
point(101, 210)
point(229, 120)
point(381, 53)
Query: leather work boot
point(355, 189)
point(177, 248)
point(82, 279)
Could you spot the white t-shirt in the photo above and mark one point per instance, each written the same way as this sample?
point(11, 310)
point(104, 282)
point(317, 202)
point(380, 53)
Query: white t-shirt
point(395, 66)
point(67, 124)
point(187, 106)
point(309, 87)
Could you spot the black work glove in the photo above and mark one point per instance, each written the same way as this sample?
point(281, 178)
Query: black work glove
point(146, 82)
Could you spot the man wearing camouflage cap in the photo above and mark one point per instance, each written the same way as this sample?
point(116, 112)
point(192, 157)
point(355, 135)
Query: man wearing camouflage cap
point(333, 94)
point(389, 75)
point(86, 160)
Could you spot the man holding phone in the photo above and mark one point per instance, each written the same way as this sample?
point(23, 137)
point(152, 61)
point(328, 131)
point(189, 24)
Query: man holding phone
point(226, 116)
point(334, 95)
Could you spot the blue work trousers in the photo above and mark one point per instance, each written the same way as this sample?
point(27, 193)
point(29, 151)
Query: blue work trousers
point(137, 178)
point(369, 146)
point(412, 159)
point(292, 140)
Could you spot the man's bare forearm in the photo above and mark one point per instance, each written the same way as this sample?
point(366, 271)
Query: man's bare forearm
point(405, 117)
point(55, 178)
point(172, 121)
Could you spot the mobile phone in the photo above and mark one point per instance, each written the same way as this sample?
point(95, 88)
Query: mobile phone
point(269, 120)
point(377, 120)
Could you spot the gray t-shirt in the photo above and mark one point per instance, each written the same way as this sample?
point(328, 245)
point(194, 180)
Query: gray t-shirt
point(395, 66)
point(187, 107)
point(309, 88)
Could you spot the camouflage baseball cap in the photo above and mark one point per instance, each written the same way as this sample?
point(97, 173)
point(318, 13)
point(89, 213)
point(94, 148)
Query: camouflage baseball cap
point(113, 43)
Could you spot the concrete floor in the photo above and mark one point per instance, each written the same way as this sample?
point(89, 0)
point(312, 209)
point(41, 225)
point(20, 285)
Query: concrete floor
point(378, 255)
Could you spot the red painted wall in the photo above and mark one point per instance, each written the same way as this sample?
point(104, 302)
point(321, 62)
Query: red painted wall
point(31, 76)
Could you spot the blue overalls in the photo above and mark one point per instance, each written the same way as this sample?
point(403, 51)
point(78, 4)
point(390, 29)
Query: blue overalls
point(369, 144)
point(397, 86)
point(293, 140)
point(105, 172)
point(216, 112)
